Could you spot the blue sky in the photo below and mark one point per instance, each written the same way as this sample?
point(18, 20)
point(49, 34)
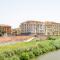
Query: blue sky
point(13, 12)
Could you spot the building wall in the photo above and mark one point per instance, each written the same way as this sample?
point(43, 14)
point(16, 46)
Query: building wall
point(46, 28)
point(32, 27)
point(52, 28)
point(6, 29)
point(16, 31)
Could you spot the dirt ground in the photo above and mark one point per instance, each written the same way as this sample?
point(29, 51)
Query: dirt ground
point(14, 38)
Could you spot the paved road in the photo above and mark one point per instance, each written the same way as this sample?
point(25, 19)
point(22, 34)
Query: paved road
point(50, 56)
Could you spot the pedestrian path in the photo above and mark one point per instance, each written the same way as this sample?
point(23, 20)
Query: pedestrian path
point(50, 56)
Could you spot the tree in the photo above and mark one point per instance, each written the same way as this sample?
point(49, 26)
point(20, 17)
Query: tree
point(2, 32)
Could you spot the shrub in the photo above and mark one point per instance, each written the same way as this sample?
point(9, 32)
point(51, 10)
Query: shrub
point(41, 52)
point(36, 51)
point(51, 38)
point(18, 52)
point(7, 59)
point(15, 58)
point(9, 53)
point(1, 57)
point(57, 44)
point(24, 56)
point(31, 55)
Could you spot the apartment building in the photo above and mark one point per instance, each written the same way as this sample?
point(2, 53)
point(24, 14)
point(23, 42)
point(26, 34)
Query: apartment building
point(16, 31)
point(52, 28)
point(33, 27)
point(5, 28)
point(37, 27)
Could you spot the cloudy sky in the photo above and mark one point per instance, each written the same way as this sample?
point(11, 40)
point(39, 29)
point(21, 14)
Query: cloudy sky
point(13, 12)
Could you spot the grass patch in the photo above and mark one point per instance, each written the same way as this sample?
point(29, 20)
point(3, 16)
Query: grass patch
point(28, 50)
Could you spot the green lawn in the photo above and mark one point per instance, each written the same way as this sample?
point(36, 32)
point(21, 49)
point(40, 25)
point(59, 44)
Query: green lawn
point(21, 45)
point(17, 45)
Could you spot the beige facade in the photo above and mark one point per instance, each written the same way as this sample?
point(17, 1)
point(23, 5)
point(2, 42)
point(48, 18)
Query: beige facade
point(33, 27)
point(46, 28)
point(16, 31)
point(5, 28)
point(52, 28)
